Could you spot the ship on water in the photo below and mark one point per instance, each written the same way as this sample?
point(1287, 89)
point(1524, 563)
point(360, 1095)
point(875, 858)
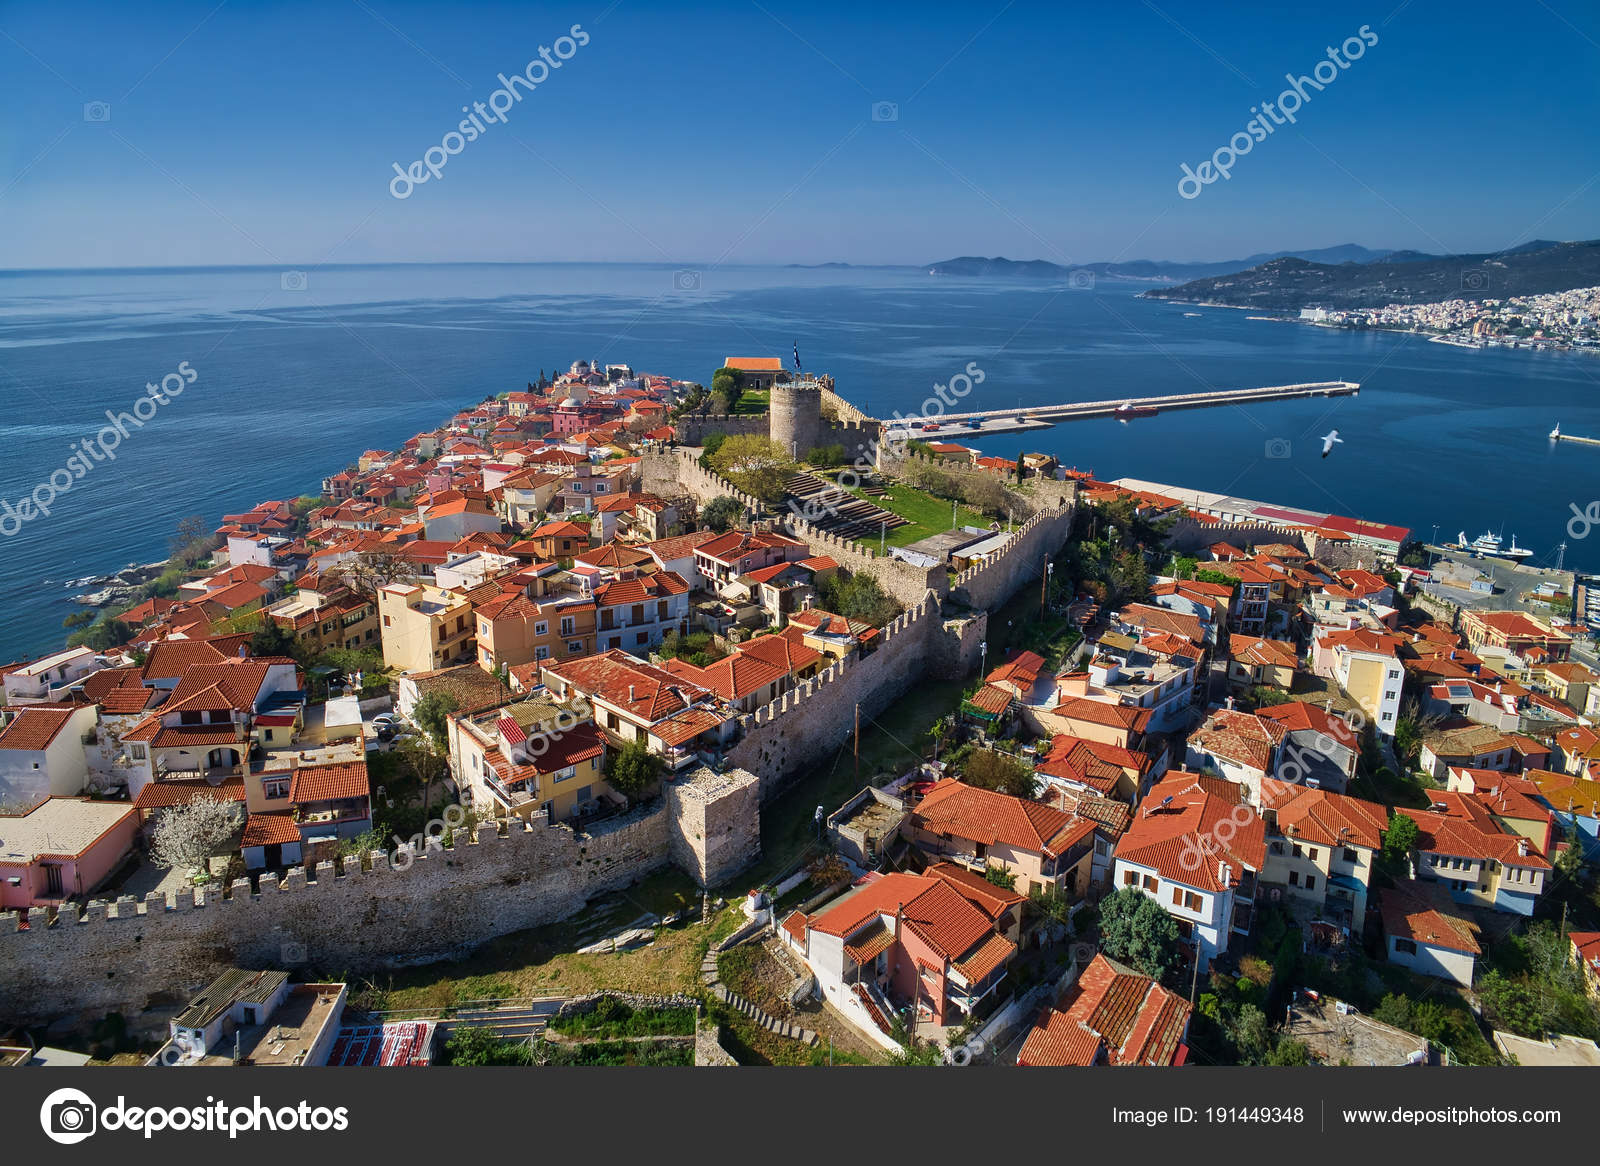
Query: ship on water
point(1493, 545)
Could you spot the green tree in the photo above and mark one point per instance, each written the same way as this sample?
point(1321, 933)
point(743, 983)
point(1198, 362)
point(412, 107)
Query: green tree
point(1251, 1034)
point(709, 445)
point(192, 541)
point(431, 713)
point(1131, 576)
point(1183, 567)
point(1400, 839)
point(1137, 930)
point(727, 386)
point(1289, 1052)
point(721, 513)
point(755, 464)
point(987, 769)
point(1410, 728)
point(273, 640)
point(633, 769)
point(1510, 1004)
point(1395, 1011)
point(826, 456)
point(1000, 876)
point(857, 596)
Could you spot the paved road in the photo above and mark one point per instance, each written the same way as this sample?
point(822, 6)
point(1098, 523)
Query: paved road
point(1510, 581)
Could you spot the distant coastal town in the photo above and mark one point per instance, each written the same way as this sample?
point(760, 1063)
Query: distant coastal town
point(1563, 321)
point(757, 729)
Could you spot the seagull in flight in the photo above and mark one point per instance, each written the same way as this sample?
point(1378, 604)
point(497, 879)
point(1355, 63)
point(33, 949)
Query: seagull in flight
point(1330, 441)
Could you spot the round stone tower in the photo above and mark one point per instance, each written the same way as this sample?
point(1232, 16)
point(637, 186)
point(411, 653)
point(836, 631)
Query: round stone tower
point(795, 417)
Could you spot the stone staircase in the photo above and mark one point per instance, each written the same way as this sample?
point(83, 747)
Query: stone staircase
point(708, 973)
point(523, 1023)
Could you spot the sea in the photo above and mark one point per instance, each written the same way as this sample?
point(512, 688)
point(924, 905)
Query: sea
point(297, 372)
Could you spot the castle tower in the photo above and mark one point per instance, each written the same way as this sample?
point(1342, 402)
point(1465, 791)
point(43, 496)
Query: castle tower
point(795, 416)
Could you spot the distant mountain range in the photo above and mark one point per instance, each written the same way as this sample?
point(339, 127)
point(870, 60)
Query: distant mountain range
point(1145, 269)
point(1401, 277)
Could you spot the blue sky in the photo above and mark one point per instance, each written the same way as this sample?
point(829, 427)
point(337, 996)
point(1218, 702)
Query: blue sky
point(261, 132)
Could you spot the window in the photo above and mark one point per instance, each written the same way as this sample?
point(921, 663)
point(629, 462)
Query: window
point(567, 625)
point(642, 638)
point(1405, 947)
point(574, 647)
point(541, 628)
point(1192, 900)
point(138, 752)
point(273, 788)
point(1312, 854)
point(1151, 883)
point(387, 622)
point(1177, 896)
point(564, 774)
point(542, 652)
point(1387, 717)
point(1351, 855)
point(1311, 882)
point(1294, 878)
point(1129, 878)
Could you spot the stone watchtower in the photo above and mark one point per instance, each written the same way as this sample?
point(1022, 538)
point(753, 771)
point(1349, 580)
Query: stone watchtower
point(795, 416)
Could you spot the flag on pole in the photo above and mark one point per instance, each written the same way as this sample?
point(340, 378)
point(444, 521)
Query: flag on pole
point(797, 356)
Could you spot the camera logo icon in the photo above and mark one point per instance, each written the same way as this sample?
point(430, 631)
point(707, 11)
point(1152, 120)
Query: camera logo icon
point(291, 954)
point(292, 281)
point(685, 281)
point(96, 111)
point(1081, 279)
point(885, 111)
point(68, 1116)
point(1279, 447)
point(1474, 280)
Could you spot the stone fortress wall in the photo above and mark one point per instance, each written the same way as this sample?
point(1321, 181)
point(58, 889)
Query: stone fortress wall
point(365, 917)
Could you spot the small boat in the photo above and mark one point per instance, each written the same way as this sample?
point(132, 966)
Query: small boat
point(1128, 409)
point(1487, 543)
point(1555, 434)
point(1194, 314)
point(1516, 552)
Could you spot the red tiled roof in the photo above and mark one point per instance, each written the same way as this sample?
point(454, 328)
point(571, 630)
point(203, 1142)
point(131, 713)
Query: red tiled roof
point(1266, 653)
point(1317, 815)
point(327, 783)
point(957, 810)
point(1134, 1018)
point(35, 727)
point(1418, 912)
point(1241, 737)
point(270, 829)
point(158, 795)
point(1080, 708)
point(1180, 840)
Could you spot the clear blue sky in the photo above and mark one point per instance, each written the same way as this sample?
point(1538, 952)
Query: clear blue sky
point(261, 132)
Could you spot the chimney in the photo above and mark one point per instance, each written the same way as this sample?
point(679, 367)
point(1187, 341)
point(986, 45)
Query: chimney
point(1522, 847)
point(1230, 704)
point(1224, 874)
point(630, 694)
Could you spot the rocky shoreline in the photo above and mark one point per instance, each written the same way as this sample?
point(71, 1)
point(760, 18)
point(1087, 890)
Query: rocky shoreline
point(119, 587)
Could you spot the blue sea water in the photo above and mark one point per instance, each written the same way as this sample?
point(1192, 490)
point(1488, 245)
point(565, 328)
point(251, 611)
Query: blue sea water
point(295, 381)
